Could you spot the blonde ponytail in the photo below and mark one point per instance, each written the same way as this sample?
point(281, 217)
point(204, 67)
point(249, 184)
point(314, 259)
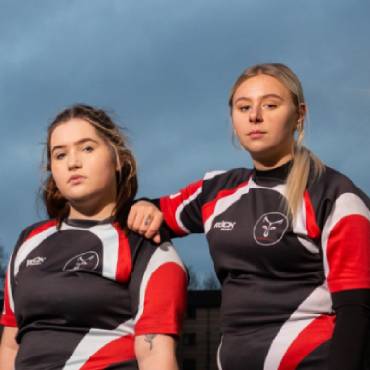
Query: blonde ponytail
point(304, 160)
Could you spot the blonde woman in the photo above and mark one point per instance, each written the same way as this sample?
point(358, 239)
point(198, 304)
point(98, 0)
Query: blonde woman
point(83, 292)
point(289, 238)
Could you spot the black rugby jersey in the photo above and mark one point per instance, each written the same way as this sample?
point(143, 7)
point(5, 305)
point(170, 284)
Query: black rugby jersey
point(281, 281)
point(79, 295)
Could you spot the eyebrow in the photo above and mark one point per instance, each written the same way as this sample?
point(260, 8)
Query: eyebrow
point(263, 97)
point(79, 142)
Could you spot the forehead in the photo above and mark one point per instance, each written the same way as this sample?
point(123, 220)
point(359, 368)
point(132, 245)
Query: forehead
point(261, 85)
point(72, 131)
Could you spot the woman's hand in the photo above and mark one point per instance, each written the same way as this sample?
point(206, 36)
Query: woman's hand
point(146, 219)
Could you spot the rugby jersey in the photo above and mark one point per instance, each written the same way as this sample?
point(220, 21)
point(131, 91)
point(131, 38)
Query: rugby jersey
point(282, 281)
point(79, 294)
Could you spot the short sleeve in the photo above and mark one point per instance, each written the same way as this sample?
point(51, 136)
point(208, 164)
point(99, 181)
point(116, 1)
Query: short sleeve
point(182, 211)
point(158, 290)
point(346, 243)
point(8, 315)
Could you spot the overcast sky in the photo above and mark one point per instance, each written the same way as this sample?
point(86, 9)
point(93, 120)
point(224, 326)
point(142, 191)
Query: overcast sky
point(165, 68)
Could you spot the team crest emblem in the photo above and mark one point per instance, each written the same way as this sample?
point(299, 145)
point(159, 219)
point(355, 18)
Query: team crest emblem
point(87, 261)
point(270, 228)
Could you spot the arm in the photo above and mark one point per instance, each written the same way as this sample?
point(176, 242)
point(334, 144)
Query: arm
point(345, 240)
point(352, 327)
point(156, 352)
point(8, 348)
point(158, 299)
point(181, 214)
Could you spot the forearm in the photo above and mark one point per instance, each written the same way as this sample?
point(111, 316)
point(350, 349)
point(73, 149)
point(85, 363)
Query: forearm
point(8, 349)
point(156, 352)
point(348, 347)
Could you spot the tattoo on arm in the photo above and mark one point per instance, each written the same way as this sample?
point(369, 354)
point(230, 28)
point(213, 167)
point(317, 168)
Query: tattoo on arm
point(149, 339)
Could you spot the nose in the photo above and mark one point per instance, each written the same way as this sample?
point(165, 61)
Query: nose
point(255, 114)
point(74, 160)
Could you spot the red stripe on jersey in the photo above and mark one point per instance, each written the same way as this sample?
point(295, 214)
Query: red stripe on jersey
point(348, 254)
point(170, 204)
point(313, 231)
point(316, 333)
point(164, 301)
point(7, 317)
point(208, 208)
point(41, 228)
point(119, 350)
point(123, 270)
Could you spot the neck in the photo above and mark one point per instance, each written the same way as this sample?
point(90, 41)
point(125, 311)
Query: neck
point(269, 164)
point(91, 212)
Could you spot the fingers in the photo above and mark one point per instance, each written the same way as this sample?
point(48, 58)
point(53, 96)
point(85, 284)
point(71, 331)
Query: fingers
point(146, 219)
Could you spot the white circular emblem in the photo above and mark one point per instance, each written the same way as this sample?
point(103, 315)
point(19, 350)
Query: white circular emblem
point(87, 261)
point(270, 228)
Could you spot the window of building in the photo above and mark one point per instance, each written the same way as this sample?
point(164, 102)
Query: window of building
point(189, 339)
point(189, 364)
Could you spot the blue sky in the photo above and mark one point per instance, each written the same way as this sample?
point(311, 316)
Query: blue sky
point(165, 68)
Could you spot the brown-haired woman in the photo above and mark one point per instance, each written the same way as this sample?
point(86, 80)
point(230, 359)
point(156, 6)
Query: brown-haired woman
point(290, 238)
point(81, 291)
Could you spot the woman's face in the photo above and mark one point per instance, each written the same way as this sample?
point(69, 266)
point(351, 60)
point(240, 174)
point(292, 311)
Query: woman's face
point(82, 164)
point(264, 119)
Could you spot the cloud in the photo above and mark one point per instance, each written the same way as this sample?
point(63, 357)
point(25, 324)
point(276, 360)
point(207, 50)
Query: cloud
point(166, 68)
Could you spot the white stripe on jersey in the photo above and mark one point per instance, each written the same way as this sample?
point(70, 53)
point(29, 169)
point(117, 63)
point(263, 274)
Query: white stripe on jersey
point(93, 341)
point(317, 303)
point(226, 202)
point(211, 174)
point(110, 241)
point(219, 365)
point(9, 286)
point(182, 206)
point(347, 204)
point(163, 254)
point(300, 228)
point(29, 245)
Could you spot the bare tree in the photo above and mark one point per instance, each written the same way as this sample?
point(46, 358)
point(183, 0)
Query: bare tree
point(210, 282)
point(194, 281)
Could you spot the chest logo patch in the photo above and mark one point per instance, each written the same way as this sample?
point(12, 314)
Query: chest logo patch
point(270, 228)
point(87, 261)
point(37, 261)
point(224, 225)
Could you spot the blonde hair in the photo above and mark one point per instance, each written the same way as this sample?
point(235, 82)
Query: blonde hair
point(303, 158)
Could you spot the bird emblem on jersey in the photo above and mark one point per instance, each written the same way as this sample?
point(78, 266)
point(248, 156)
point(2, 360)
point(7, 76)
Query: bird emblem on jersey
point(270, 228)
point(87, 261)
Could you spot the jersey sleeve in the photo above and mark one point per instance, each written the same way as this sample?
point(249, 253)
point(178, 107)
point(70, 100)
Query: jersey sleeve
point(346, 242)
point(158, 290)
point(8, 314)
point(182, 211)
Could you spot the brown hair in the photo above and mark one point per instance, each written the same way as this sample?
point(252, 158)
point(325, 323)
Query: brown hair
point(56, 205)
point(296, 182)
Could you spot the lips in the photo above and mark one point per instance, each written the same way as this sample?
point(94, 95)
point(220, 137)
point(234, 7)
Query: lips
point(76, 179)
point(256, 134)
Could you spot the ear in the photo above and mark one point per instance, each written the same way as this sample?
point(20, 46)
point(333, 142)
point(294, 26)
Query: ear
point(302, 111)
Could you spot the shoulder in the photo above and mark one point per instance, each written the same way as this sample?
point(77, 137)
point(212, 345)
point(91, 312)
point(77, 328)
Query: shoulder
point(36, 228)
point(216, 181)
point(334, 184)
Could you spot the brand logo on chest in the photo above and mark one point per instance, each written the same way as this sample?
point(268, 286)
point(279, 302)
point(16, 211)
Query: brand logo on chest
point(270, 228)
point(224, 225)
point(37, 261)
point(87, 261)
